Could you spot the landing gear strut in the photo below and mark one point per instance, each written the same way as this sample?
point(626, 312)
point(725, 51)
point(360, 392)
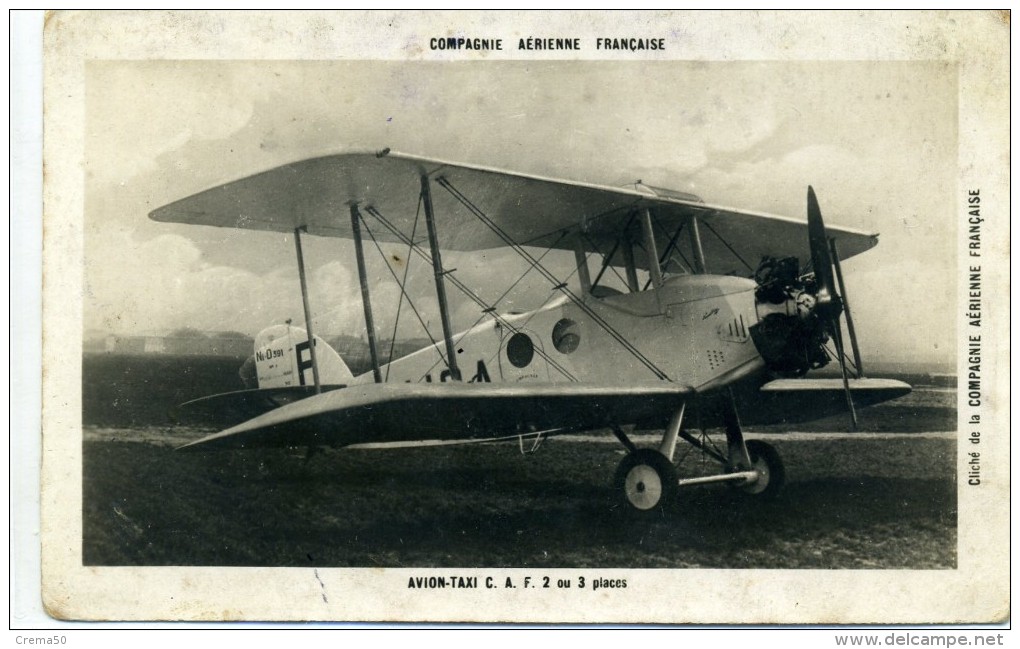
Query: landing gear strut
point(648, 481)
point(759, 461)
point(765, 461)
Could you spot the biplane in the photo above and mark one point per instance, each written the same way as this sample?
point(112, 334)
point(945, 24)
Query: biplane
point(718, 315)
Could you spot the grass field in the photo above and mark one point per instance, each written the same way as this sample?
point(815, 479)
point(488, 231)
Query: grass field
point(864, 503)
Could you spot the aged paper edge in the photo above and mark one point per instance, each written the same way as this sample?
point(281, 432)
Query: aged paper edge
point(977, 591)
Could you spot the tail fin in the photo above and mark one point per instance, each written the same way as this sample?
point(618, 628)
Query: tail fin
point(283, 358)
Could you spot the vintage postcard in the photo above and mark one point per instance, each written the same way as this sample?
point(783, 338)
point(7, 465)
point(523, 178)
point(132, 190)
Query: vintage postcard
point(526, 317)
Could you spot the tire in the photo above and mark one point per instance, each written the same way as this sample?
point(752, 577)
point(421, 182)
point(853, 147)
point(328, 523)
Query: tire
point(646, 481)
point(772, 474)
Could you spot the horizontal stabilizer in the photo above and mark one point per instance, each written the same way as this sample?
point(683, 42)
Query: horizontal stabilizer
point(399, 412)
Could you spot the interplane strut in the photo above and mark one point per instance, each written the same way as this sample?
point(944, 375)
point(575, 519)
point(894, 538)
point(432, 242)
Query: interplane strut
point(438, 272)
point(365, 298)
point(307, 307)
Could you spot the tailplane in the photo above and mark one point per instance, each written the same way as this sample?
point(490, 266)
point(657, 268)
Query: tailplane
point(277, 374)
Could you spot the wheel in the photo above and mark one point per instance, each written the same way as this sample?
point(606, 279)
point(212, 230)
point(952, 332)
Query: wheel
point(771, 473)
point(647, 480)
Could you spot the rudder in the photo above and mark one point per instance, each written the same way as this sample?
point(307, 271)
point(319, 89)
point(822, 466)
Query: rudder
point(283, 358)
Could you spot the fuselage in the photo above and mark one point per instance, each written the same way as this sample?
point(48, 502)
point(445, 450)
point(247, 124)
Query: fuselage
point(693, 330)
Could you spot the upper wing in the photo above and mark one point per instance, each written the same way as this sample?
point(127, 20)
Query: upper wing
point(396, 412)
point(531, 210)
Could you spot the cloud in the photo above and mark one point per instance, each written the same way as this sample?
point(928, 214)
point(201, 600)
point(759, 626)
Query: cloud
point(138, 112)
point(163, 284)
point(876, 141)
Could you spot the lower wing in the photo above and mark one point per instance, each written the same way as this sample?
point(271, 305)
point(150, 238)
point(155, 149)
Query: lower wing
point(788, 401)
point(228, 408)
point(403, 412)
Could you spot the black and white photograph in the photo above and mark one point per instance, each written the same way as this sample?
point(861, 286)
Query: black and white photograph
point(535, 317)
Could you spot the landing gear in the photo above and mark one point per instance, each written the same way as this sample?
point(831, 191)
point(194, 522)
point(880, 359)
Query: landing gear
point(647, 480)
point(765, 461)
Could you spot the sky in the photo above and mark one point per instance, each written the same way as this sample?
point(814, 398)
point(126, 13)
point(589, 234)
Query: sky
point(877, 141)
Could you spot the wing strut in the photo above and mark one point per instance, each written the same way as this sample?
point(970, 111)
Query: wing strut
point(666, 257)
point(628, 260)
point(365, 298)
point(437, 269)
point(651, 251)
point(583, 274)
point(308, 311)
point(696, 249)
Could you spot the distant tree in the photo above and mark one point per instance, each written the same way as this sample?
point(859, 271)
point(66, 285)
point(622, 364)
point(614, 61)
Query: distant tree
point(231, 334)
point(187, 332)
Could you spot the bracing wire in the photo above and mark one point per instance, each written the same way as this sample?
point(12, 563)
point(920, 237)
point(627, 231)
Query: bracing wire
point(400, 302)
point(402, 291)
point(463, 288)
point(491, 310)
point(668, 252)
point(562, 286)
point(726, 243)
